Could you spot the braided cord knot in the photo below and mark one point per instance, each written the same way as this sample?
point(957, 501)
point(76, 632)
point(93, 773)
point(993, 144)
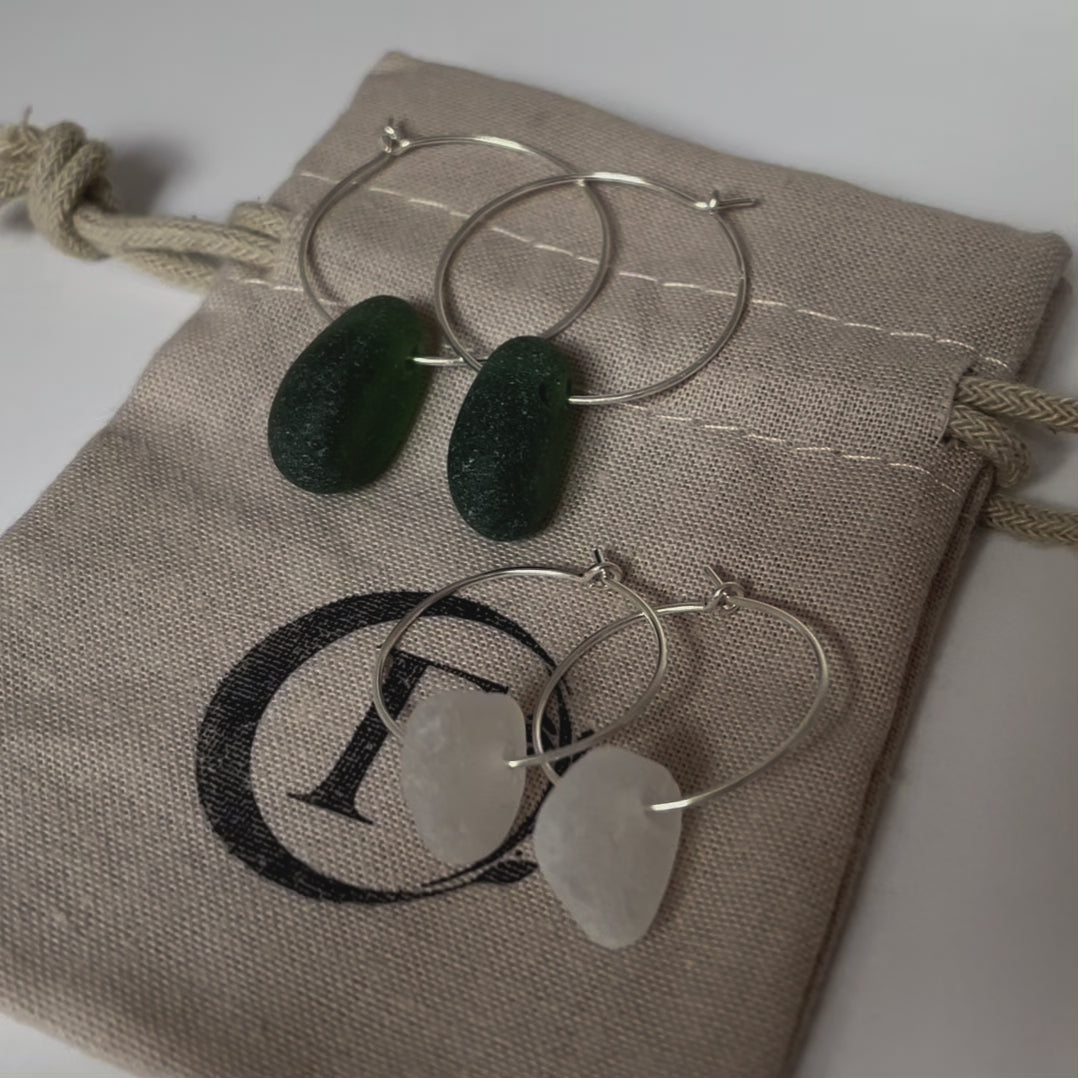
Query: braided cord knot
point(62, 176)
point(56, 170)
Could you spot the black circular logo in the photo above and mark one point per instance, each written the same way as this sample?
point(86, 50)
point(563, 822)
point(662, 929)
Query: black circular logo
point(227, 734)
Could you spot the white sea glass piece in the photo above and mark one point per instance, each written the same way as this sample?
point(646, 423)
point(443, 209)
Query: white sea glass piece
point(463, 797)
point(606, 857)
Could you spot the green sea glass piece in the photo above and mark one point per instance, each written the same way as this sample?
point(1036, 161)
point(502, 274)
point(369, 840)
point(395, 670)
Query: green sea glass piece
point(509, 449)
point(346, 405)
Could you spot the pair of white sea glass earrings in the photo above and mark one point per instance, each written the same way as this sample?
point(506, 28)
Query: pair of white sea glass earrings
point(607, 833)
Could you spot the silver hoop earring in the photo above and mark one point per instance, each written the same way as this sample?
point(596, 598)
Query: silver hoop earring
point(509, 450)
point(346, 405)
point(607, 834)
point(464, 754)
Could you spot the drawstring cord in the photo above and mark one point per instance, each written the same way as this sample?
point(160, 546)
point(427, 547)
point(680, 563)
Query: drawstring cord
point(61, 175)
point(978, 419)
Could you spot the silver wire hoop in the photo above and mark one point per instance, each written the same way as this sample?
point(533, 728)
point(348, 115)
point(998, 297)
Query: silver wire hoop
point(394, 146)
point(601, 574)
point(727, 598)
point(714, 206)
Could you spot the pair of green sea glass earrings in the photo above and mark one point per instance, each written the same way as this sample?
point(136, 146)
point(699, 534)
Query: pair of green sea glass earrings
point(346, 405)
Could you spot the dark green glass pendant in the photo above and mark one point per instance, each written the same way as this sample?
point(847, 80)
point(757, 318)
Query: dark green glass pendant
point(509, 449)
point(345, 407)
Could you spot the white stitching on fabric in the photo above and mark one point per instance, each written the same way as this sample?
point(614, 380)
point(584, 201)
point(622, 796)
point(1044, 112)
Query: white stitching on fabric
point(677, 284)
point(555, 250)
point(417, 201)
point(284, 288)
point(512, 235)
point(857, 458)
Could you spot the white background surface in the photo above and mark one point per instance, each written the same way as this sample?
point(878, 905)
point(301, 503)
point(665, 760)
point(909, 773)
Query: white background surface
point(959, 961)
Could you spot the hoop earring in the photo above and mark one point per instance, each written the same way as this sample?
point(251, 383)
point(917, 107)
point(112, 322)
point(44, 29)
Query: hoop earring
point(607, 834)
point(345, 407)
point(509, 450)
point(463, 754)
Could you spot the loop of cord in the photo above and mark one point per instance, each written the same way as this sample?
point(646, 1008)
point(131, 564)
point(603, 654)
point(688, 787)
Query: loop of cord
point(994, 439)
point(977, 420)
point(62, 176)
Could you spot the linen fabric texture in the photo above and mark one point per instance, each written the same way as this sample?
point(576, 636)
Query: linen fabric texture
point(209, 869)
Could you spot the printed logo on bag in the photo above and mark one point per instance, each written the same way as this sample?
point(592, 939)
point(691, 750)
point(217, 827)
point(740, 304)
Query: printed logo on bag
point(226, 751)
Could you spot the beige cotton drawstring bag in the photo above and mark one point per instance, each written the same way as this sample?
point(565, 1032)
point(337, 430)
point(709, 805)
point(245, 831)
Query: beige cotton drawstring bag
point(208, 869)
